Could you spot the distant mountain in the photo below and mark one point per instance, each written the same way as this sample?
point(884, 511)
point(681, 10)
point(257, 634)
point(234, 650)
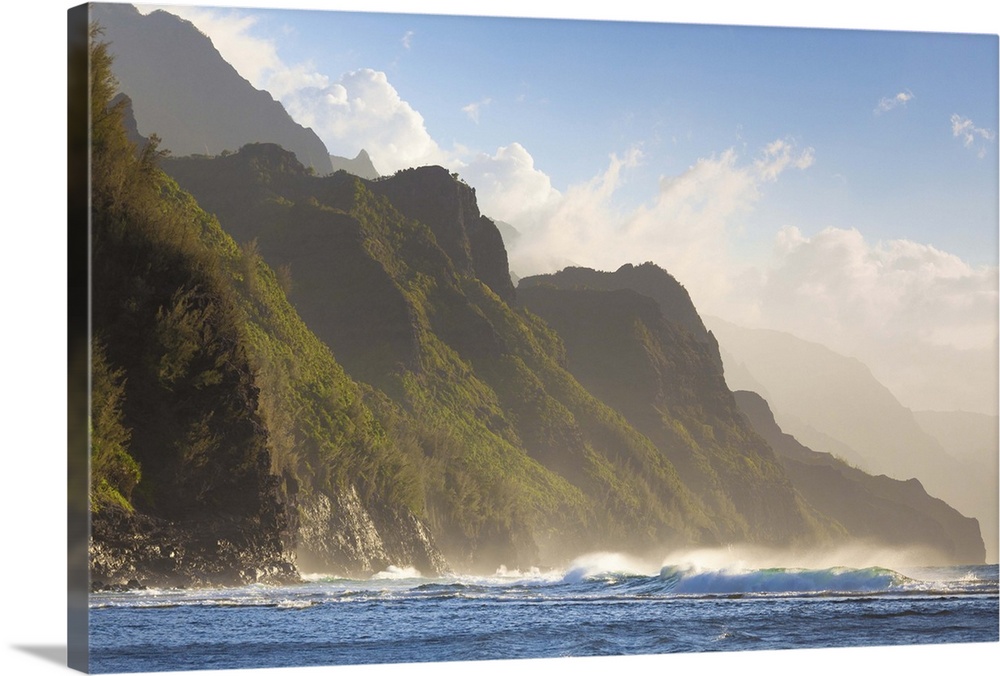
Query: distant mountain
point(360, 166)
point(509, 233)
point(965, 436)
point(874, 509)
point(183, 91)
point(833, 403)
point(971, 438)
point(623, 354)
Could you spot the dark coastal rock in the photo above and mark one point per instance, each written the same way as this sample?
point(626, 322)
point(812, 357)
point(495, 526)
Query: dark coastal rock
point(134, 551)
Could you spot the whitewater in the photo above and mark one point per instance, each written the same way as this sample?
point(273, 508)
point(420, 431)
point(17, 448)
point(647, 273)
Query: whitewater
point(598, 605)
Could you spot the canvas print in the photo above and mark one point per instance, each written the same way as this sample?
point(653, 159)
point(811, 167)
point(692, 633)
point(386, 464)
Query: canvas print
point(406, 338)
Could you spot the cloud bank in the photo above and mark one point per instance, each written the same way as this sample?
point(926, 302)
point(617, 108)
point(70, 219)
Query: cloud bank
point(363, 110)
point(924, 320)
point(688, 226)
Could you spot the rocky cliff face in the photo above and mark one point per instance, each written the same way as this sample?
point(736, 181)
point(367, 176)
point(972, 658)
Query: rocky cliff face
point(832, 403)
point(521, 461)
point(647, 279)
point(342, 537)
point(219, 421)
point(608, 424)
point(133, 550)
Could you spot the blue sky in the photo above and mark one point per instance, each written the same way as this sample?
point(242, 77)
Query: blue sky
point(573, 92)
point(837, 184)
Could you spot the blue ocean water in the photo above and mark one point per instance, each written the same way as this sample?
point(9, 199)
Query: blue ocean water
point(595, 608)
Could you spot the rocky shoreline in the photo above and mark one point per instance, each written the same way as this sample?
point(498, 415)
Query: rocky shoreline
point(130, 550)
point(133, 551)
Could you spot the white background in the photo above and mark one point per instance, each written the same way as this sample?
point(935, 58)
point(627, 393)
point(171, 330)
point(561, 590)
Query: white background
point(33, 330)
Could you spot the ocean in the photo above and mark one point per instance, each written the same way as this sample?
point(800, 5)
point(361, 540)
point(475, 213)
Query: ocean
point(600, 605)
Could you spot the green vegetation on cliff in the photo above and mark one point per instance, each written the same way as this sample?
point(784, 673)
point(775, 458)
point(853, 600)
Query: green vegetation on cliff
point(214, 408)
point(175, 431)
point(520, 459)
point(664, 376)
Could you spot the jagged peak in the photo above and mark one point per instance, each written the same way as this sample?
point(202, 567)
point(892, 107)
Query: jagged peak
point(361, 165)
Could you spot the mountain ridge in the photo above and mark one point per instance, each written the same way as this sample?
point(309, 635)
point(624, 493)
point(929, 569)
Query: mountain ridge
point(217, 111)
point(882, 510)
point(833, 403)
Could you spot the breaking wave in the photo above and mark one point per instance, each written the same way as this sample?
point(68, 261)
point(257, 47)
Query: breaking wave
point(686, 580)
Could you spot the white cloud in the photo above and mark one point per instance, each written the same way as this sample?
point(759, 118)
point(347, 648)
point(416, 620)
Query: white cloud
point(778, 156)
point(360, 110)
point(972, 136)
point(472, 110)
point(407, 39)
point(687, 227)
point(837, 287)
point(363, 110)
point(887, 103)
point(509, 187)
point(922, 319)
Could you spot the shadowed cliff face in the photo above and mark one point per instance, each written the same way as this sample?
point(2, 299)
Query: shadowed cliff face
point(611, 349)
point(180, 453)
point(361, 166)
point(448, 206)
point(647, 279)
point(874, 509)
point(667, 381)
point(307, 225)
point(155, 58)
point(607, 425)
point(219, 421)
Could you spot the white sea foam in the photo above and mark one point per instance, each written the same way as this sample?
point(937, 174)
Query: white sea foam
point(397, 573)
point(607, 563)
